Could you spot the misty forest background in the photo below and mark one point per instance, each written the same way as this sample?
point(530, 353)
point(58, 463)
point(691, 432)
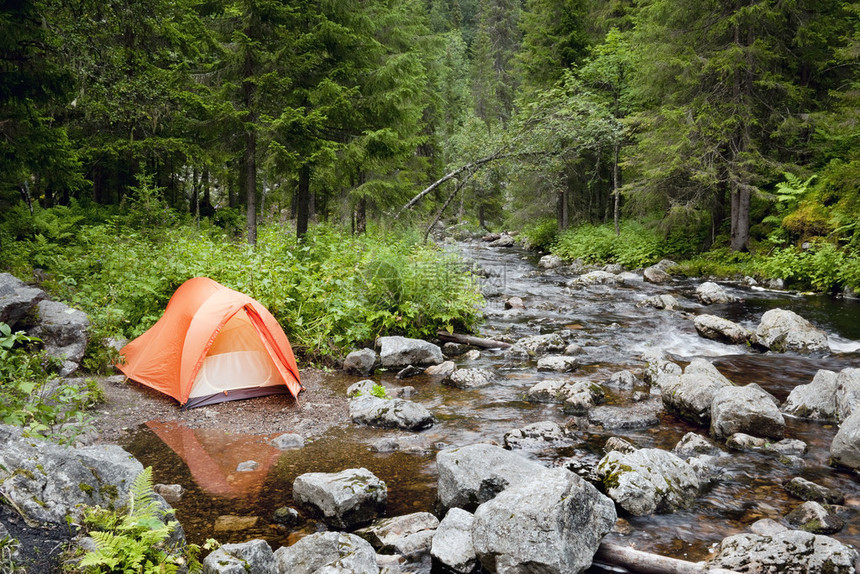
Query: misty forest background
point(272, 145)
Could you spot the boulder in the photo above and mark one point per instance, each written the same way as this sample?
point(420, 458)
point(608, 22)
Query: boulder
point(690, 395)
point(253, 556)
point(664, 301)
point(550, 262)
point(409, 536)
point(343, 499)
point(360, 388)
point(504, 240)
point(63, 331)
point(808, 490)
point(443, 369)
point(639, 415)
point(551, 524)
point(781, 331)
point(472, 355)
point(514, 303)
point(623, 379)
point(390, 413)
point(556, 391)
point(790, 552)
point(656, 275)
point(722, 330)
point(783, 448)
point(709, 293)
point(658, 370)
point(17, 298)
point(767, 527)
point(749, 409)
point(474, 474)
point(812, 517)
point(469, 378)
point(845, 448)
point(535, 346)
point(540, 435)
point(452, 544)
point(693, 444)
point(286, 516)
point(288, 441)
point(847, 392)
point(409, 371)
point(451, 349)
point(648, 480)
point(816, 400)
point(597, 278)
point(557, 363)
point(399, 352)
point(327, 553)
point(360, 362)
point(47, 482)
point(620, 444)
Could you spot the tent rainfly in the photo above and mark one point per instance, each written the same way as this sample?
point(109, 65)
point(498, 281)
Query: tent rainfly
point(213, 344)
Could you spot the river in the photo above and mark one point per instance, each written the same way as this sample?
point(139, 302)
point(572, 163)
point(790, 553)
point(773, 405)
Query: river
point(613, 333)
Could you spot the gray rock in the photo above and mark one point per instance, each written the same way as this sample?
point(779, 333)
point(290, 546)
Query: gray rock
point(648, 480)
point(550, 262)
point(247, 466)
point(639, 415)
point(535, 346)
point(812, 517)
point(785, 447)
point(288, 441)
point(690, 395)
point(360, 362)
point(623, 379)
point(693, 444)
point(615, 268)
point(665, 264)
point(816, 400)
point(845, 448)
point(469, 378)
point(573, 349)
point(658, 370)
point(255, 557)
point(63, 331)
point(399, 352)
point(472, 355)
point(286, 516)
point(343, 499)
point(748, 409)
point(443, 369)
point(48, 482)
point(767, 527)
point(722, 330)
point(556, 391)
point(390, 413)
point(597, 278)
point(664, 301)
point(410, 535)
point(808, 490)
point(17, 298)
point(656, 275)
point(171, 493)
point(540, 435)
point(514, 303)
point(406, 392)
point(360, 388)
point(790, 552)
point(452, 544)
point(551, 524)
point(504, 241)
point(781, 330)
point(450, 349)
point(474, 474)
point(409, 371)
point(620, 444)
point(709, 293)
point(327, 553)
point(847, 392)
point(557, 363)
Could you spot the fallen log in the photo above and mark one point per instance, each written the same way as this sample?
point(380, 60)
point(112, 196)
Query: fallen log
point(470, 340)
point(647, 563)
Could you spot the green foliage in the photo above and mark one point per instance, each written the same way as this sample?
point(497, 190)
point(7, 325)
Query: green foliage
point(8, 547)
point(636, 246)
point(541, 235)
point(823, 267)
point(329, 291)
point(135, 541)
point(378, 391)
point(29, 399)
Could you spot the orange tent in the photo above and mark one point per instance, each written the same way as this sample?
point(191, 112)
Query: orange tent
point(213, 344)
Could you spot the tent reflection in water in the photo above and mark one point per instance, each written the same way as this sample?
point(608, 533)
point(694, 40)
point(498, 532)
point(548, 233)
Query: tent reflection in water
point(213, 344)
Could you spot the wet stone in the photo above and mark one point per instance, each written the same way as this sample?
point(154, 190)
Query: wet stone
point(694, 444)
point(286, 516)
point(813, 517)
point(637, 416)
point(808, 490)
point(623, 379)
point(172, 493)
point(538, 435)
point(444, 369)
point(360, 362)
point(248, 466)
point(343, 499)
point(409, 371)
point(231, 523)
point(288, 441)
point(620, 444)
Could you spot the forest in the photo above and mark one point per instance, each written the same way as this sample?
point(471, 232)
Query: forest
point(274, 146)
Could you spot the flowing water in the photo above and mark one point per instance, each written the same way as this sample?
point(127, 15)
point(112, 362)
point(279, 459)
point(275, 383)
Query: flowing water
point(613, 333)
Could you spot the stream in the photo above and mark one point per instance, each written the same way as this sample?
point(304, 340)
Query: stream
point(613, 333)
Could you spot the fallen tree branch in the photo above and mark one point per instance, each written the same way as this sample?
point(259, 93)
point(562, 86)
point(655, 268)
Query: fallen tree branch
point(470, 340)
point(647, 563)
point(457, 189)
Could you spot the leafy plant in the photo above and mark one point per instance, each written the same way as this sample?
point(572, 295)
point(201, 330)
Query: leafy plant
point(378, 391)
point(137, 540)
point(8, 547)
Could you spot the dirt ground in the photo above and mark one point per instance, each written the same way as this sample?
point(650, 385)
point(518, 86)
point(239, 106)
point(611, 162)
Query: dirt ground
point(128, 405)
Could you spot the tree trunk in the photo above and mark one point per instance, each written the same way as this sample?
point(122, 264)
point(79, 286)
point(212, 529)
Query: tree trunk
point(481, 217)
point(361, 216)
point(303, 201)
point(251, 183)
point(740, 219)
point(616, 189)
point(471, 340)
point(646, 563)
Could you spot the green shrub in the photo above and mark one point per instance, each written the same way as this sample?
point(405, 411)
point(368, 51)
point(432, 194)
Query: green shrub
point(541, 235)
point(636, 246)
point(591, 243)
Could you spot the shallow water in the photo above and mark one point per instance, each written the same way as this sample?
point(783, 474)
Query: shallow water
point(613, 333)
